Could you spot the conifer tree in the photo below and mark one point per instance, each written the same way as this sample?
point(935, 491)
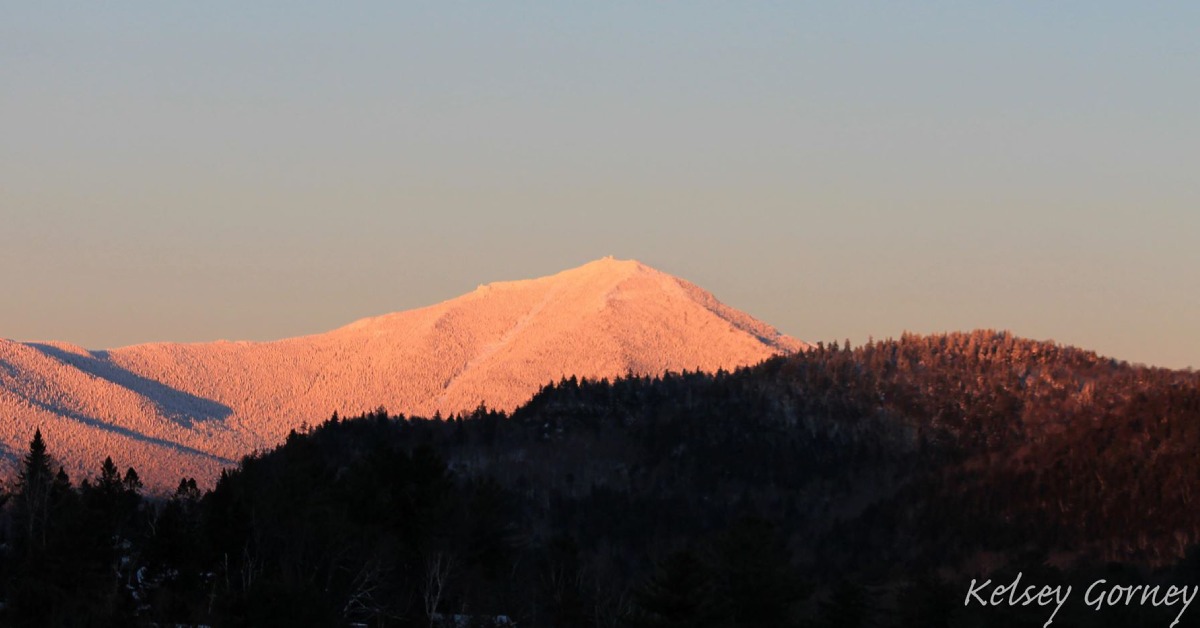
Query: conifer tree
point(110, 478)
point(187, 490)
point(61, 486)
point(34, 484)
point(132, 482)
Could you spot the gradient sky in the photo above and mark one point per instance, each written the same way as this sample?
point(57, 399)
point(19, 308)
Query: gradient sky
point(203, 170)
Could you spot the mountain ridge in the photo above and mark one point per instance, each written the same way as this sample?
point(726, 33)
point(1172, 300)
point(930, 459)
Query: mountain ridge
point(172, 409)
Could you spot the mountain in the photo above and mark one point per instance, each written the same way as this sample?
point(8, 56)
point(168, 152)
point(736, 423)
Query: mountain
point(172, 410)
point(840, 486)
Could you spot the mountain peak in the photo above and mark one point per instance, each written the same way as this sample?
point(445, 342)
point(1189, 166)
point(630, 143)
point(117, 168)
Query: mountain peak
point(611, 264)
point(595, 270)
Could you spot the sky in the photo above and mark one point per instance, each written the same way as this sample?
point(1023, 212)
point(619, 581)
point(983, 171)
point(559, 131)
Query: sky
point(198, 171)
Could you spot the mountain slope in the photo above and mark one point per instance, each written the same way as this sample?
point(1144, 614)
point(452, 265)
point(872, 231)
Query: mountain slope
point(172, 409)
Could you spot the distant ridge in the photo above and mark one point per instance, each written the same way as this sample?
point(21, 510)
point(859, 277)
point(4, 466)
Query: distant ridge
point(187, 409)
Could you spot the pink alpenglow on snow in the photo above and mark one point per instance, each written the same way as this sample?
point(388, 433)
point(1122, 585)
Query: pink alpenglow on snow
point(174, 410)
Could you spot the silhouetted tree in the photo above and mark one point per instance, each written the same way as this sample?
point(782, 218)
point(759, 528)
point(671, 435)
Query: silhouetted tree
point(34, 484)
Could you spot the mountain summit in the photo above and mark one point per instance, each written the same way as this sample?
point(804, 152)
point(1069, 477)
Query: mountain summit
point(186, 409)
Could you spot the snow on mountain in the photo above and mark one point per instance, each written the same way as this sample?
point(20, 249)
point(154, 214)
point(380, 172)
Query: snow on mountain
point(172, 410)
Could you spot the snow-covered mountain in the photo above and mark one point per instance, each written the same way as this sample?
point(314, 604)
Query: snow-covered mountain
point(174, 410)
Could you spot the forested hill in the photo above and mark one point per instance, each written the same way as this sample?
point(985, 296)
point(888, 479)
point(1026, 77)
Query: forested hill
point(818, 487)
point(966, 442)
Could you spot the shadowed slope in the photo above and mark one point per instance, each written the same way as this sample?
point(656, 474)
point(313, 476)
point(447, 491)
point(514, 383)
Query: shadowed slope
point(498, 344)
point(88, 417)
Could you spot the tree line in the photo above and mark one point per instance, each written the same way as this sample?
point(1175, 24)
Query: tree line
point(843, 486)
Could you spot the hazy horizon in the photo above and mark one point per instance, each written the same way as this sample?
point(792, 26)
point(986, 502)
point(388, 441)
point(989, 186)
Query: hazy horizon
point(198, 172)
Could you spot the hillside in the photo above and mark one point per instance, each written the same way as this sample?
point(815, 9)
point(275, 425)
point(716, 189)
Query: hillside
point(833, 487)
point(187, 409)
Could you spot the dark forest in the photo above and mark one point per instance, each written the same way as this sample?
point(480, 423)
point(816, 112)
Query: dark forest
point(841, 486)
